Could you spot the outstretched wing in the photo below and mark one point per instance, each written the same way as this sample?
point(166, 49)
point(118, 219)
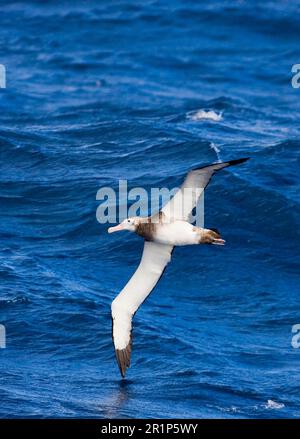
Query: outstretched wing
point(154, 260)
point(185, 200)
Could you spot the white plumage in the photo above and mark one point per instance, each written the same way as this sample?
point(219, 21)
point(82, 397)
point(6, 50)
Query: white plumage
point(154, 260)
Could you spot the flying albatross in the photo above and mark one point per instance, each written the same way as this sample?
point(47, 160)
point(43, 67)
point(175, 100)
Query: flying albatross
point(161, 232)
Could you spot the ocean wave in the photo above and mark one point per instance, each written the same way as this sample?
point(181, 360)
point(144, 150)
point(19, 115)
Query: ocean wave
point(204, 115)
point(273, 405)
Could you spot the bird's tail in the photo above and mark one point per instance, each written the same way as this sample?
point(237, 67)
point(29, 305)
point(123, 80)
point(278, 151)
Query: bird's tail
point(211, 236)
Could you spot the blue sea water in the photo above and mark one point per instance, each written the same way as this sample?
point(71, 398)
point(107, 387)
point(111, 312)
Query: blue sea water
point(102, 91)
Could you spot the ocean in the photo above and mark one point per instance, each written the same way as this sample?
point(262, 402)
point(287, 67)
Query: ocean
point(143, 91)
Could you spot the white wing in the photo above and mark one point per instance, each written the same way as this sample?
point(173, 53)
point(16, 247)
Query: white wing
point(181, 205)
point(154, 260)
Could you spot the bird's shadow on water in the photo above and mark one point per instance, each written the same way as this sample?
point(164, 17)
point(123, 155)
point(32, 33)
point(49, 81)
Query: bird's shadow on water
point(120, 395)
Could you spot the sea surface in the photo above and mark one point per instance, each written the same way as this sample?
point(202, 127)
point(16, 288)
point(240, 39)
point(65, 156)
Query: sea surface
point(143, 91)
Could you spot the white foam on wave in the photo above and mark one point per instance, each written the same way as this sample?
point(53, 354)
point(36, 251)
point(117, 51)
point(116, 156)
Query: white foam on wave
point(204, 115)
point(273, 404)
point(216, 149)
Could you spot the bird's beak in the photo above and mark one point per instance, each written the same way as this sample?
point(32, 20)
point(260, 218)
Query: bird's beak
point(116, 228)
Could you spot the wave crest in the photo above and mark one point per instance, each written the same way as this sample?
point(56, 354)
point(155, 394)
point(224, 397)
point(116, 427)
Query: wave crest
point(204, 115)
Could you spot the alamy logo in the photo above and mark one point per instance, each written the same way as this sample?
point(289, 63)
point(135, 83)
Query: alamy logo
point(296, 77)
point(114, 204)
point(2, 337)
point(296, 338)
point(2, 76)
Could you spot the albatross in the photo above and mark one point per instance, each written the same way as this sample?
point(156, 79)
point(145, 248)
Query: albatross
point(162, 232)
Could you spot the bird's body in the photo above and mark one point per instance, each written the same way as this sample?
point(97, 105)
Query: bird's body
point(176, 233)
point(161, 232)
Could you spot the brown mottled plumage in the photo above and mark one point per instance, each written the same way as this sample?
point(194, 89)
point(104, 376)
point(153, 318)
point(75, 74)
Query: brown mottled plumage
point(147, 226)
point(146, 230)
point(208, 236)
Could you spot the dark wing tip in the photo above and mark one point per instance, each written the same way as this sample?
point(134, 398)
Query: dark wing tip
point(123, 358)
point(216, 231)
point(226, 164)
point(238, 161)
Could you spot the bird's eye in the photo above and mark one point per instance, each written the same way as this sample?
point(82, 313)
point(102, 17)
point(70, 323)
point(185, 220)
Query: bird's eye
point(128, 221)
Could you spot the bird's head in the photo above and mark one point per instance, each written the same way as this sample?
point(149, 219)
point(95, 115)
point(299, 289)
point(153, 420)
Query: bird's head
point(129, 224)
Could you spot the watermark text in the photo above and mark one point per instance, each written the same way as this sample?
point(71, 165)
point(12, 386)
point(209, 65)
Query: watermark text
point(117, 205)
point(295, 342)
point(2, 337)
point(296, 78)
point(2, 76)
